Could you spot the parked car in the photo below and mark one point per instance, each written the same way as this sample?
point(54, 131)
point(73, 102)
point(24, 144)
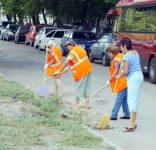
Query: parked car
point(3, 25)
point(55, 35)
point(42, 32)
point(20, 34)
point(9, 32)
point(82, 38)
point(98, 49)
point(30, 36)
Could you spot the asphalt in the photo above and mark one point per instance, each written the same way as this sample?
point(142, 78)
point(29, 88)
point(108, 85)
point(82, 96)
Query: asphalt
point(24, 64)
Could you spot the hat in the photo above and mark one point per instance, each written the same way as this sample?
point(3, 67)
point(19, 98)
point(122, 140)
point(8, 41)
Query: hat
point(50, 42)
point(69, 42)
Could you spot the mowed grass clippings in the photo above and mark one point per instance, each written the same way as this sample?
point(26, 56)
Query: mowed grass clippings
point(26, 129)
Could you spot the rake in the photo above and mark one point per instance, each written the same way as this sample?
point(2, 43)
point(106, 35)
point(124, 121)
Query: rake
point(67, 115)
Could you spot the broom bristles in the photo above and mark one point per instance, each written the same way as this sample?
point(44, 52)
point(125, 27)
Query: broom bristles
point(104, 122)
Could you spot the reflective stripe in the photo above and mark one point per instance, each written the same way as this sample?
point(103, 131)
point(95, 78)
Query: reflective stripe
point(80, 61)
point(117, 59)
point(56, 64)
point(55, 56)
point(77, 56)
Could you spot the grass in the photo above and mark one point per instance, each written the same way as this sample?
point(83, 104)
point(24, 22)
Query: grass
point(29, 127)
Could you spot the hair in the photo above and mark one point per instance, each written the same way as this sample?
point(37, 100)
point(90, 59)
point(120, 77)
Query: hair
point(126, 42)
point(112, 49)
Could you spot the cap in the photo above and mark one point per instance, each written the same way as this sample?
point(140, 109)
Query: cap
point(50, 42)
point(69, 42)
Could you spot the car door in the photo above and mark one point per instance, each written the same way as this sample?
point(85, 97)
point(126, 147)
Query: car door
point(45, 38)
point(57, 37)
point(95, 48)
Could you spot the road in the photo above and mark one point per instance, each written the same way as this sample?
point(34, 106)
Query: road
point(24, 64)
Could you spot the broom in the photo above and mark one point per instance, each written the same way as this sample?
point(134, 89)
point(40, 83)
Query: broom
point(43, 90)
point(106, 118)
point(67, 115)
point(14, 97)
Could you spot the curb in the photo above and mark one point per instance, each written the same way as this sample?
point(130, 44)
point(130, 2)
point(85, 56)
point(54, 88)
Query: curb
point(105, 140)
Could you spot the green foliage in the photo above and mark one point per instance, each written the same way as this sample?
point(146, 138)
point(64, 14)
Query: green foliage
point(87, 11)
point(27, 128)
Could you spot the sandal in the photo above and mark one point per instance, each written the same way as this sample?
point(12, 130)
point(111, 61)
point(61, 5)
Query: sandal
point(86, 106)
point(127, 129)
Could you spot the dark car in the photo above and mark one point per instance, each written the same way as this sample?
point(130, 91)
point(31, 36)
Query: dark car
point(3, 25)
point(82, 38)
point(97, 51)
point(9, 32)
point(20, 34)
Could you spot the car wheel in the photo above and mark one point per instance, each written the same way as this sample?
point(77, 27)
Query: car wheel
point(8, 38)
point(91, 58)
point(104, 60)
point(17, 41)
point(63, 51)
point(40, 48)
point(26, 43)
point(31, 43)
point(36, 46)
point(152, 71)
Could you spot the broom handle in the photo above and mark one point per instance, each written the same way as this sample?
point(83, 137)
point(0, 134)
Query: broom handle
point(45, 70)
point(88, 98)
point(39, 83)
point(114, 91)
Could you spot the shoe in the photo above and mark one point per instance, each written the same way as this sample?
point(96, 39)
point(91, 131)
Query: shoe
point(128, 129)
point(124, 117)
point(111, 118)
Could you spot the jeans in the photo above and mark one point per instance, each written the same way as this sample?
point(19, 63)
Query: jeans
point(121, 99)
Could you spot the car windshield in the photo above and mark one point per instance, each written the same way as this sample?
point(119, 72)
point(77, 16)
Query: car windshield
point(38, 28)
point(48, 30)
point(6, 23)
point(24, 28)
point(14, 28)
point(84, 36)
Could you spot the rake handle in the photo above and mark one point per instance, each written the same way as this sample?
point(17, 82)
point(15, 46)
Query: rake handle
point(88, 98)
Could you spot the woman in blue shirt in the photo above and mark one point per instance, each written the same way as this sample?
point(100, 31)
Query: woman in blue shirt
point(132, 70)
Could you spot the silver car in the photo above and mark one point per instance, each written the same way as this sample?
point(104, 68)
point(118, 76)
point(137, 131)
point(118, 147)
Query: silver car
point(97, 51)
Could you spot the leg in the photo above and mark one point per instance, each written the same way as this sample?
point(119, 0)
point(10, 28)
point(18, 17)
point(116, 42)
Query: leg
point(77, 100)
point(125, 105)
point(88, 90)
point(59, 87)
point(119, 99)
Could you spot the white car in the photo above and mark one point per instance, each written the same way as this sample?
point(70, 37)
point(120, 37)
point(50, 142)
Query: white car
point(55, 35)
point(41, 33)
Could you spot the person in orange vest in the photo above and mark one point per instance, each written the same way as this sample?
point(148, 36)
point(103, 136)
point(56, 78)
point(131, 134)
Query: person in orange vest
point(121, 85)
point(81, 70)
point(54, 62)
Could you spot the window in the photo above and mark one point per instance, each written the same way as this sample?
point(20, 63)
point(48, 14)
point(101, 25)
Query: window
point(84, 35)
point(59, 34)
point(140, 19)
point(50, 34)
point(48, 30)
point(116, 25)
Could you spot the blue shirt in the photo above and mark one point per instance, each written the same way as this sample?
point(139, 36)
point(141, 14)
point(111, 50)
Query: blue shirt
point(133, 61)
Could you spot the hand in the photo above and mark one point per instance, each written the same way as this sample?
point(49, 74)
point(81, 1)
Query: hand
point(45, 66)
point(56, 73)
point(107, 83)
point(117, 77)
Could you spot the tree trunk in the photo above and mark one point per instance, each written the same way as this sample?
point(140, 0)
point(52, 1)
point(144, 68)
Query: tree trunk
point(44, 17)
point(8, 17)
point(15, 19)
point(98, 23)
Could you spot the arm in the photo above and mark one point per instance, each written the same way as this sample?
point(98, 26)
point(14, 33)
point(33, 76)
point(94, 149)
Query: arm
point(63, 65)
point(116, 70)
point(125, 70)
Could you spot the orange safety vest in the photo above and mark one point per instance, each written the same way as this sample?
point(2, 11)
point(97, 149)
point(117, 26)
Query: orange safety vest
point(55, 54)
point(122, 83)
point(81, 65)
